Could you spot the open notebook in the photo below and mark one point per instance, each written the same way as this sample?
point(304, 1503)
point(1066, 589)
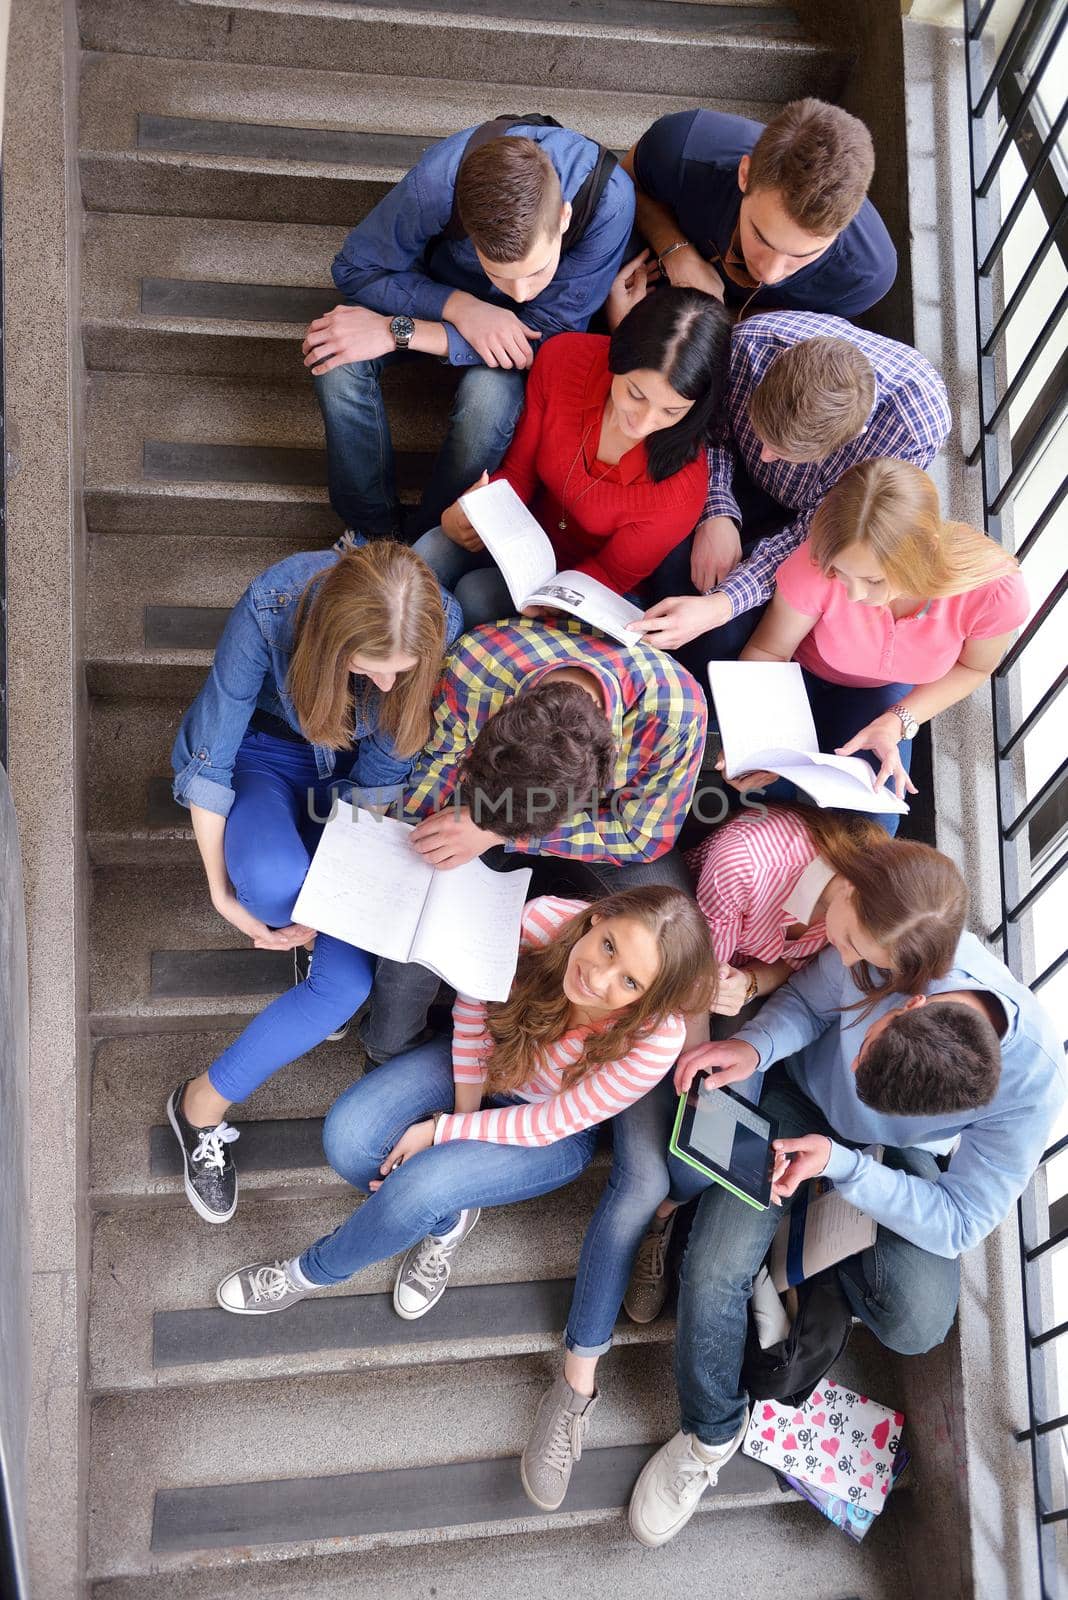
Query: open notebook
point(518, 544)
point(368, 886)
point(766, 724)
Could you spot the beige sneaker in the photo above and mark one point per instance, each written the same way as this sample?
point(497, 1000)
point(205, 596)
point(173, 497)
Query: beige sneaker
point(555, 1444)
point(672, 1482)
point(647, 1289)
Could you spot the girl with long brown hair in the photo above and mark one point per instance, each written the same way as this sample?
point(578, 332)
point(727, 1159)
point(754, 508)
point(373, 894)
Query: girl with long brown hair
point(594, 1022)
point(324, 675)
point(776, 886)
point(892, 613)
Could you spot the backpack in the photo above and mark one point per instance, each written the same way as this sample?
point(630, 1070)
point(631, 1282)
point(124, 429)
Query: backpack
point(583, 206)
point(789, 1370)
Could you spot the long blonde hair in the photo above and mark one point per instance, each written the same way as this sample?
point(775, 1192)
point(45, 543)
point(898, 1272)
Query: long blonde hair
point(892, 509)
point(537, 1011)
point(380, 600)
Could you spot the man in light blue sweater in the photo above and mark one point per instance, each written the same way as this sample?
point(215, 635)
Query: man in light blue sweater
point(974, 1066)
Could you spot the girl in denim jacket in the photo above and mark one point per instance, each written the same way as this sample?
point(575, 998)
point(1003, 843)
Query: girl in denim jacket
point(323, 676)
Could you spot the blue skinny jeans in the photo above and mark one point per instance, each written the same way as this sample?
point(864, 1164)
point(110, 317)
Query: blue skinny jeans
point(280, 805)
point(359, 446)
point(427, 1193)
point(905, 1295)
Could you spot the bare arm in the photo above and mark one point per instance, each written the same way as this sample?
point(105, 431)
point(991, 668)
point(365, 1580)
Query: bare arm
point(208, 830)
point(685, 268)
point(778, 633)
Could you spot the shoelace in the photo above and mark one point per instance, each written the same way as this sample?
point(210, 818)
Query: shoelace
point(210, 1148)
point(649, 1262)
point(687, 1469)
point(270, 1283)
point(565, 1441)
point(428, 1269)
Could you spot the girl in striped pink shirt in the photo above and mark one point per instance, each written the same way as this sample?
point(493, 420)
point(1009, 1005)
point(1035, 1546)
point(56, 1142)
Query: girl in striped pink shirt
point(509, 1106)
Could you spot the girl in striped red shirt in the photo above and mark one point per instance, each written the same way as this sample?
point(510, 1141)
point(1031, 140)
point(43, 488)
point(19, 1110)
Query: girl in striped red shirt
point(509, 1106)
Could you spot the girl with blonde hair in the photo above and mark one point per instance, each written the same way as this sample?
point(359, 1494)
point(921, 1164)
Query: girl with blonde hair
point(323, 676)
point(892, 613)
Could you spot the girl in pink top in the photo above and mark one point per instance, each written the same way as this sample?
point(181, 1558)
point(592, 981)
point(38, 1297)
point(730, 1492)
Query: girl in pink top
point(892, 613)
point(508, 1107)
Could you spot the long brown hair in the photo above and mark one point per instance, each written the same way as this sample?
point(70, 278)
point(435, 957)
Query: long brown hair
point(380, 600)
point(892, 509)
point(536, 1013)
point(910, 898)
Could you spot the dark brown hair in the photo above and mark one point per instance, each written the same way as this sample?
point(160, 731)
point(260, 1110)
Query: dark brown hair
point(814, 398)
point(509, 198)
point(380, 600)
point(934, 1059)
point(538, 760)
point(820, 159)
point(537, 1012)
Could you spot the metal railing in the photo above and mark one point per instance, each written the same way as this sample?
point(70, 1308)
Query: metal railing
point(1017, 70)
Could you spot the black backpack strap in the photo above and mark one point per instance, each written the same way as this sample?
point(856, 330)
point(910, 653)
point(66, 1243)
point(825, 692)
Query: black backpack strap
point(583, 206)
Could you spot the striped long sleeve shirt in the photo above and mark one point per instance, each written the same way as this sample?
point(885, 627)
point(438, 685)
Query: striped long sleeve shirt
point(655, 708)
point(746, 873)
point(550, 1111)
point(909, 422)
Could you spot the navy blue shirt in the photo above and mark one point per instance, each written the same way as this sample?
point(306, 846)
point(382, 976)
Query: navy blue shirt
point(382, 264)
point(688, 161)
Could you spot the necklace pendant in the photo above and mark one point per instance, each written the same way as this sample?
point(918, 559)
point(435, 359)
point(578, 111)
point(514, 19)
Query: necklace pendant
point(562, 524)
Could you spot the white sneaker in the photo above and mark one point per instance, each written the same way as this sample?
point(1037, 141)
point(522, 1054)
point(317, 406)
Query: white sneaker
point(425, 1271)
point(672, 1482)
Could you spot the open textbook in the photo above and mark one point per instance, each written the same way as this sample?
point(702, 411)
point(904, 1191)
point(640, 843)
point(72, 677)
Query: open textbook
point(527, 562)
point(368, 886)
point(766, 724)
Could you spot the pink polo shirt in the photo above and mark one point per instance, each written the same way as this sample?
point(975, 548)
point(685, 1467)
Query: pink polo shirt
point(864, 646)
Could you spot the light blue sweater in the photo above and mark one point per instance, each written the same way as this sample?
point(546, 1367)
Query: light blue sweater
point(1000, 1144)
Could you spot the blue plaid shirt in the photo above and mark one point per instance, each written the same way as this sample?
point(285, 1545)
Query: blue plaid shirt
point(909, 421)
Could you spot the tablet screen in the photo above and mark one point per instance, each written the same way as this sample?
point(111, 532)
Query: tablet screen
point(723, 1134)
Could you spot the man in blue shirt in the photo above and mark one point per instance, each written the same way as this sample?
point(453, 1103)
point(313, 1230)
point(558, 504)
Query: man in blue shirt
point(766, 218)
point(974, 1065)
point(474, 257)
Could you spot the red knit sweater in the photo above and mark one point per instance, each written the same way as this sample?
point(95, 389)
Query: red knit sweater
point(623, 527)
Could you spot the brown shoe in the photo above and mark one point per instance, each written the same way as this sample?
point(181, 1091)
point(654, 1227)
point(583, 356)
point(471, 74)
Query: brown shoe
point(647, 1289)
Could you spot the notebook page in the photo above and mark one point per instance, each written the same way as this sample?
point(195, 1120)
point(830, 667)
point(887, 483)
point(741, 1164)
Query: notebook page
point(830, 786)
point(366, 884)
point(515, 539)
point(760, 705)
point(591, 600)
point(469, 932)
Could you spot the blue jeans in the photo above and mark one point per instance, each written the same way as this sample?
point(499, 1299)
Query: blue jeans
point(839, 712)
point(270, 835)
point(359, 448)
point(905, 1295)
point(428, 1192)
point(471, 575)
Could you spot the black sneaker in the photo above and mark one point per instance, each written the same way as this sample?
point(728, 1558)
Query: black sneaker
point(210, 1174)
point(302, 965)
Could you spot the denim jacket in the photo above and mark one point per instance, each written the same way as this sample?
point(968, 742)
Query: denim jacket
point(249, 673)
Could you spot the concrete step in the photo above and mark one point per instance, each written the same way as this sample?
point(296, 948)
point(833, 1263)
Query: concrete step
point(680, 49)
point(154, 1320)
point(183, 1479)
point(132, 817)
point(754, 1551)
point(183, 454)
point(286, 144)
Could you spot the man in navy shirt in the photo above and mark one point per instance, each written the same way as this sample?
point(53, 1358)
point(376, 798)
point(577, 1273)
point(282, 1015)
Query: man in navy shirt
point(472, 258)
point(765, 218)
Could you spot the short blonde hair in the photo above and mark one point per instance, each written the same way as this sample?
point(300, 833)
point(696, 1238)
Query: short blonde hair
point(814, 398)
point(892, 509)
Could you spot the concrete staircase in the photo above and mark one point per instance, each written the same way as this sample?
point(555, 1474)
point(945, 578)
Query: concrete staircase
point(224, 151)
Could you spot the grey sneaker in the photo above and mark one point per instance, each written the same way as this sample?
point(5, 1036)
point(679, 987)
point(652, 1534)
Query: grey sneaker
point(647, 1289)
point(425, 1271)
point(672, 1482)
point(555, 1444)
point(255, 1290)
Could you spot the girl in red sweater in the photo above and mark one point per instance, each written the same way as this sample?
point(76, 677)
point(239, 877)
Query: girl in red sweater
point(609, 453)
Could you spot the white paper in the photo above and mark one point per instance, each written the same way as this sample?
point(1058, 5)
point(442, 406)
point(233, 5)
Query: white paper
point(514, 538)
point(368, 886)
point(591, 600)
point(832, 1230)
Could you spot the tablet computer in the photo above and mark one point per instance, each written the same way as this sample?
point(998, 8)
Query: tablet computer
point(723, 1136)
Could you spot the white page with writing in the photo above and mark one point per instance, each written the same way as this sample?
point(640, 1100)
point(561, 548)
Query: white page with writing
point(760, 705)
point(366, 883)
point(514, 538)
point(592, 601)
point(470, 928)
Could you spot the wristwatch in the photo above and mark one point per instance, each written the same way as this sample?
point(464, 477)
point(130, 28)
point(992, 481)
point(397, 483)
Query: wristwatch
point(909, 726)
point(403, 329)
point(751, 987)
